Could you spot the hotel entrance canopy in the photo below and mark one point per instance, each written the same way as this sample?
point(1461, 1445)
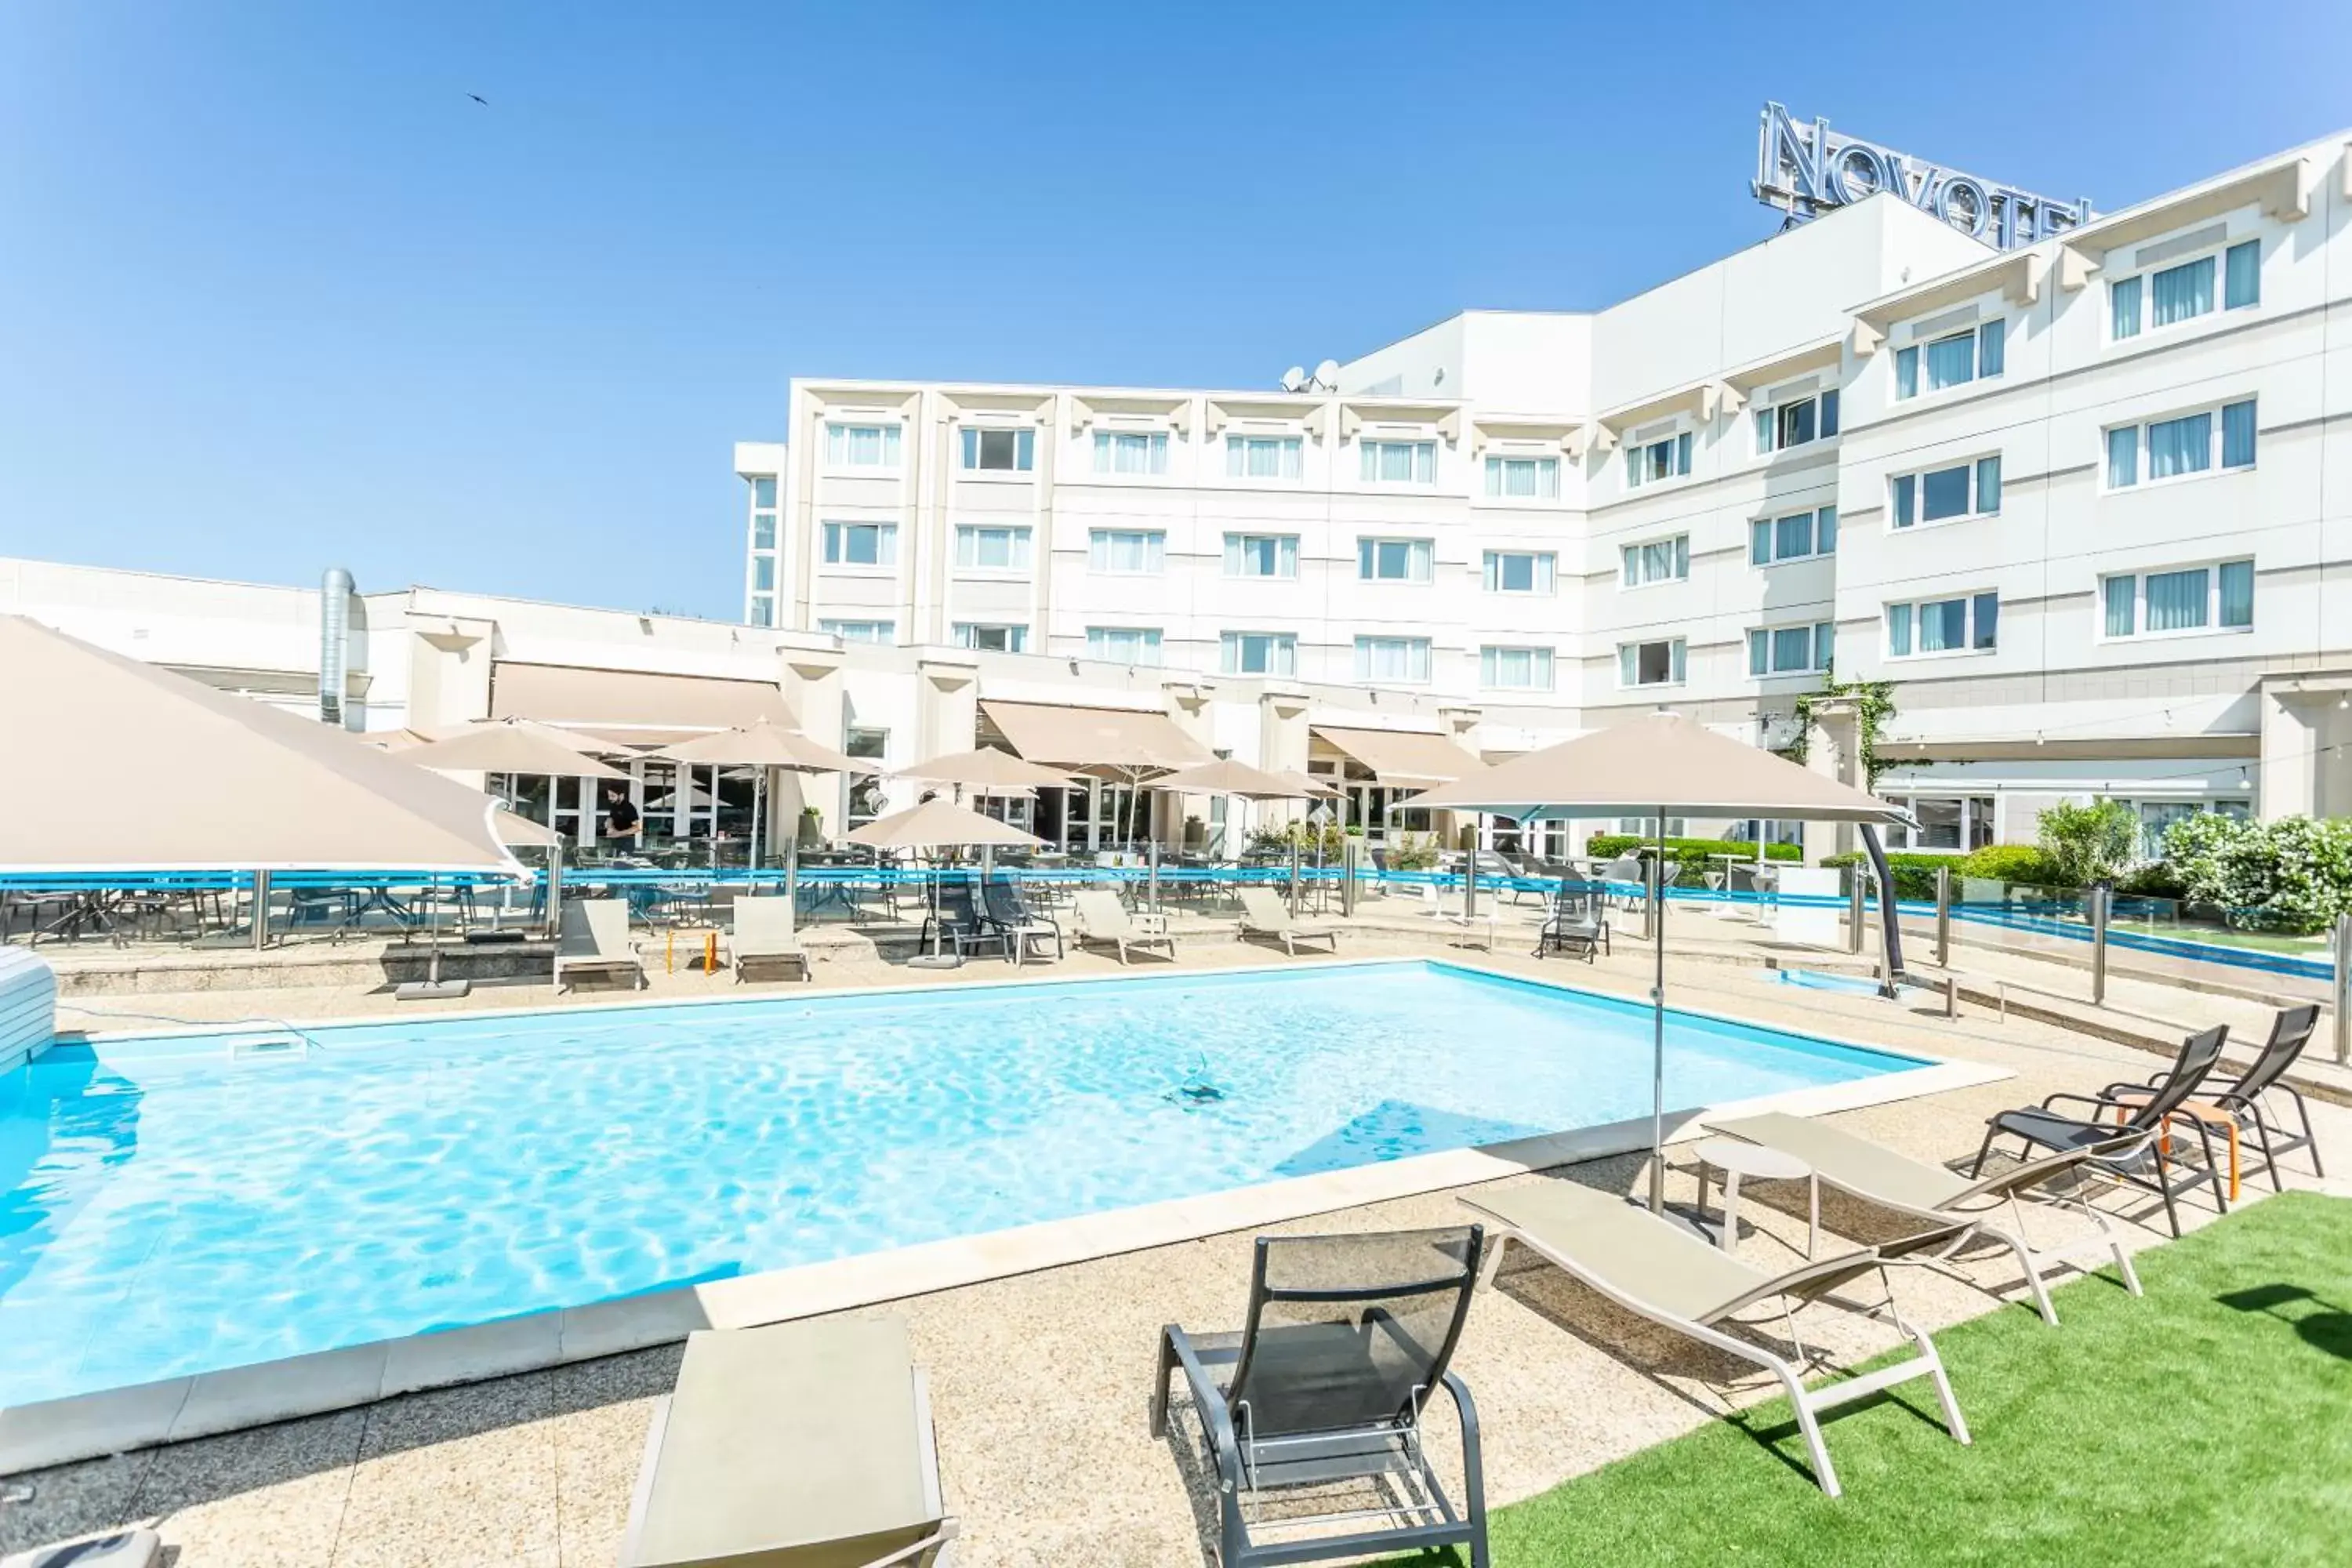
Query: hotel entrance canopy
point(633, 707)
point(1128, 740)
point(1402, 756)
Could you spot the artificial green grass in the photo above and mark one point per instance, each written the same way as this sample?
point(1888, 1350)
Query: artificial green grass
point(2208, 1422)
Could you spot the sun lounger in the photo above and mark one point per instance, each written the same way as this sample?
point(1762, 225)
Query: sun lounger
point(1575, 920)
point(1262, 915)
point(764, 935)
point(1665, 1274)
point(1880, 1176)
point(1008, 911)
point(2240, 1108)
point(594, 939)
point(1103, 920)
point(1349, 1337)
point(2144, 1159)
point(804, 1445)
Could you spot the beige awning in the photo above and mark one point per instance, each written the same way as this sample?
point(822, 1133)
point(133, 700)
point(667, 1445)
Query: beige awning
point(1660, 762)
point(633, 706)
point(118, 765)
point(1403, 757)
point(1069, 737)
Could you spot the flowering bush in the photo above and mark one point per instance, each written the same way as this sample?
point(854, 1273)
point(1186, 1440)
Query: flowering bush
point(2087, 843)
point(2293, 874)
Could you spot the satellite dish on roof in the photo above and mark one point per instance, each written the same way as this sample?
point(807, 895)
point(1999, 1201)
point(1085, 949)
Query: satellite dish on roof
point(1294, 378)
point(1327, 374)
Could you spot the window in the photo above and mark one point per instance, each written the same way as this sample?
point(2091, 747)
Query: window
point(1649, 663)
point(1131, 451)
point(1647, 826)
point(866, 798)
point(1796, 423)
point(1535, 478)
point(2185, 290)
point(764, 573)
point(1515, 668)
point(1659, 560)
point(983, 548)
point(1394, 560)
point(763, 610)
point(1261, 457)
point(861, 631)
point(861, 445)
point(2182, 445)
point(1939, 495)
point(1965, 625)
point(2186, 599)
point(1124, 645)
point(1261, 555)
point(998, 451)
point(1399, 462)
point(1392, 658)
point(1791, 650)
point(1517, 571)
point(991, 638)
point(1666, 459)
point(763, 492)
point(1957, 823)
point(861, 544)
point(1953, 360)
point(1259, 653)
point(763, 512)
point(1130, 552)
point(1796, 537)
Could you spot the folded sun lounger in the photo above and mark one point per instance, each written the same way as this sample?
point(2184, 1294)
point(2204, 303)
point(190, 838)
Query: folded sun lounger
point(1878, 1175)
point(594, 938)
point(765, 934)
point(1669, 1276)
point(1262, 915)
point(804, 1445)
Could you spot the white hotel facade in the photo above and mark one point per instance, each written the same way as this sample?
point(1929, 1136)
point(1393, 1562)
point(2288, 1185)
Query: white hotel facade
point(2085, 505)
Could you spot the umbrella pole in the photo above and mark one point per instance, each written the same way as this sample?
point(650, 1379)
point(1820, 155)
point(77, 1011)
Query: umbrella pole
point(1658, 1025)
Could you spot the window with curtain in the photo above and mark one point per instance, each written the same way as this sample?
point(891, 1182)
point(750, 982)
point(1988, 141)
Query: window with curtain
point(1392, 658)
point(1791, 650)
point(1965, 490)
point(763, 492)
point(860, 631)
point(1394, 560)
point(1127, 551)
point(2184, 599)
point(861, 544)
point(1131, 451)
point(1649, 663)
point(1261, 555)
point(1907, 373)
point(1667, 459)
point(1259, 653)
point(1796, 423)
point(1516, 668)
point(1951, 362)
point(1993, 349)
point(997, 452)
point(1970, 623)
point(2183, 446)
point(1530, 478)
point(1124, 645)
point(2123, 458)
point(861, 445)
point(1262, 457)
point(2236, 579)
point(2123, 307)
point(2177, 293)
point(1659, 560)
point(2242, 282)
point(1521, 571)
point(991, 638)
point(987, 548)
point(764, 573)
point(2122, 595)
point(1397, 462)
point(2237, 434)
point(1793, 537)
point(2176, 600)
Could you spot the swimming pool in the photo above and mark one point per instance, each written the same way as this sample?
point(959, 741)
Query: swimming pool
point(176, 1205)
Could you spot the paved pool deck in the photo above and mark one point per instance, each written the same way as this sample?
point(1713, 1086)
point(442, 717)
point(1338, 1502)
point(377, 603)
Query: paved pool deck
point(1039, 1381)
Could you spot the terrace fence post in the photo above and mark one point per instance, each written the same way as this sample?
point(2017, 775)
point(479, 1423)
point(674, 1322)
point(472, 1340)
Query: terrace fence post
point(2340, 989)
point(2099, 896)
point(1470, 886)
point(1856, 907)
point(1155, 873)
point(1294, 878)
point(260, 910)
point(1350, 863)
point(1943, 917)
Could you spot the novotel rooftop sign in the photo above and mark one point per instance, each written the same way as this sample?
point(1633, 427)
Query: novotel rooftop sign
point(1805, 169)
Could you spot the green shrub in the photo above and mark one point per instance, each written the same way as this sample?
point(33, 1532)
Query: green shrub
point(1914, 875)
point(1411, 851)
point(2292, 875)
point(2027, 863)
point(2157, 880)
point(2092, 843)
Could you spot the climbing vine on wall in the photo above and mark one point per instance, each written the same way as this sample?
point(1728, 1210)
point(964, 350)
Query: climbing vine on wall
point(1873, 703)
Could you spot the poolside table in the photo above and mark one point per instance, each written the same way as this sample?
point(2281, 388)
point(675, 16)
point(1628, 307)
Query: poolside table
point(1736, 1157)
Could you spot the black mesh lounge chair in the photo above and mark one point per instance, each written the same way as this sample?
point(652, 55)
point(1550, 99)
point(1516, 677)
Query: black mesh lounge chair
point(1576, 923)
point(959, 921)
point(2145, 1161)
point(2239, 1108)
point(1347, 1337)
point(1011, 915)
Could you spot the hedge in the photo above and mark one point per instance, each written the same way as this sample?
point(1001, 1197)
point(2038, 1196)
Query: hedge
point(1914, 874)
point(1692, 856)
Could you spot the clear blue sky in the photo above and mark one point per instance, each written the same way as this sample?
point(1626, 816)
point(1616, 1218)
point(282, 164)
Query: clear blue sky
point(275, 293)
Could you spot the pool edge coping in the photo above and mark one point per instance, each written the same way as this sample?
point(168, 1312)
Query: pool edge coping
point(139, 1416)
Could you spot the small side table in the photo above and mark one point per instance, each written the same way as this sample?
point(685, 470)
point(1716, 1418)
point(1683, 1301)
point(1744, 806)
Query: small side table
point(1736, 1157)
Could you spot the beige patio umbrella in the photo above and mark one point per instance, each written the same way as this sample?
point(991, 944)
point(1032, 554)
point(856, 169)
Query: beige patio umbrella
point(119, 765)
point(762, 745)
point(1658, 766)
point(987, 771)
point(510, 746)
point(1225, 776)
point(937, 824)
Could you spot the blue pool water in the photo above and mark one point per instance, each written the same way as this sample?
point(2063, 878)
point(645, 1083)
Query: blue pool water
point(179, 1204)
